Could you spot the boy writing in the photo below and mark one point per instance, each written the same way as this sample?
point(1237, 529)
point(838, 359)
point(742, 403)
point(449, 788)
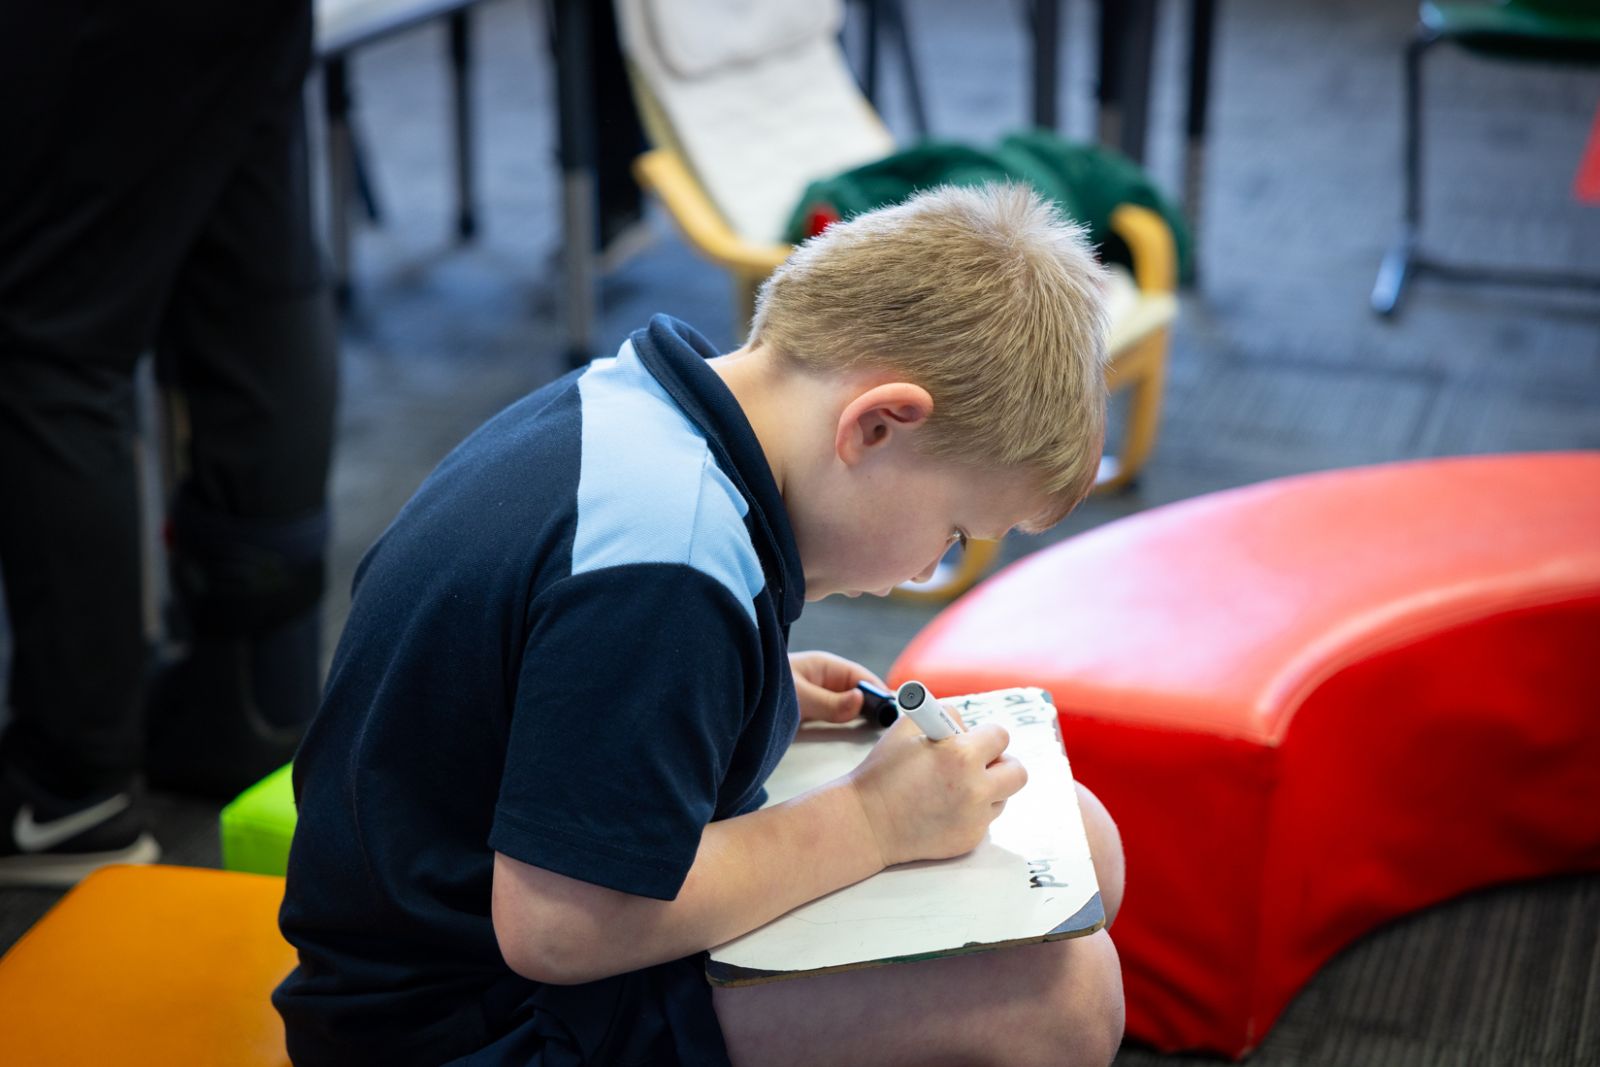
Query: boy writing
point(530, 801)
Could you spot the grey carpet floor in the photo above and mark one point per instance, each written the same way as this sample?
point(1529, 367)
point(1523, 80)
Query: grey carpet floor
point(1278, 368)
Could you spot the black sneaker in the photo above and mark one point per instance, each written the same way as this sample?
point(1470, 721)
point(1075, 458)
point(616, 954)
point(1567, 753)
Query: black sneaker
point(47, 841)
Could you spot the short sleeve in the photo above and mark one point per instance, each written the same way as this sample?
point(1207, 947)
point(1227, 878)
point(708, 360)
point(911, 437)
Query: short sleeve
point(629, 705)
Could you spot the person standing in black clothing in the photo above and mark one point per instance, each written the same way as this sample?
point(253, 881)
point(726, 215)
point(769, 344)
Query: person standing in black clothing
point(154, 198)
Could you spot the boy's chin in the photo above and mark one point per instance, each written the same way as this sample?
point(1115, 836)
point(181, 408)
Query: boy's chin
point(854, 593)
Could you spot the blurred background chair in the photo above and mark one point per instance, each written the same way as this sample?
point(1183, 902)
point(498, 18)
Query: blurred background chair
point(744, 119)
point(342, 28)
point(1552, 31)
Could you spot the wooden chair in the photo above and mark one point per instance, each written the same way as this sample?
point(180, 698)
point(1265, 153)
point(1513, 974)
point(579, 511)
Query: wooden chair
point(742, 127)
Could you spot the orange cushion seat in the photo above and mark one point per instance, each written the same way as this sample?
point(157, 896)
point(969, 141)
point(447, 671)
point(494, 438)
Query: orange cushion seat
point(149, 965)
point(1312, 705)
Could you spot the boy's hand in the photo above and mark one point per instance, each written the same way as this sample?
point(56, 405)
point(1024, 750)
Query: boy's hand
point(826, 686)
point(930, 800)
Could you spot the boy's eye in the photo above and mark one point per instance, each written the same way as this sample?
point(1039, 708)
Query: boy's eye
point(959, 538)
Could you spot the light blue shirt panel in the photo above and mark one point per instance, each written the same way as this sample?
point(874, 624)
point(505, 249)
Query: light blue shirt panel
point(649, 490)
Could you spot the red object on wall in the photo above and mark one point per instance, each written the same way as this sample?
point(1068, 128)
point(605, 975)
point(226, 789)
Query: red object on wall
point(1312, 705)
point(1586, 186)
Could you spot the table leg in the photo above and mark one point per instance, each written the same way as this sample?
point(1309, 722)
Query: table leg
point(461, 94)
point(1202, 39)
point(1046, 63)
point(577, 149)
point(336, 106)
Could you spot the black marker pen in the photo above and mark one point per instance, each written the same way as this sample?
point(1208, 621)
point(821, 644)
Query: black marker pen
point(877, 705)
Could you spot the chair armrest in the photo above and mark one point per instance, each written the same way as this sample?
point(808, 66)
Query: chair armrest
point(663, 172)
point(1149, 241)
point(1155, 275)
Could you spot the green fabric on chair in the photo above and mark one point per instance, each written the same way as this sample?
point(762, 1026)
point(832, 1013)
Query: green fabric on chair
point(1561, 30)
point(1087, 182)
point(258, 824)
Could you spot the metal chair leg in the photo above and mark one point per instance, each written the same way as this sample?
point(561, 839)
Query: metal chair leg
point(461, 94)
point(366, 190)
point(1400, 263)
point(575, 114)
point(1046, 25)
point(336, 103)
point(889, 15)
point(1394, 272)
point(869, 73)
point(895, 16)
point(1202, 40)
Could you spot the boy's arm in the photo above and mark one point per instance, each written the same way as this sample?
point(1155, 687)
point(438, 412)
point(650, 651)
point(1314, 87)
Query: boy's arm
point(910, 799)
point(747, 871)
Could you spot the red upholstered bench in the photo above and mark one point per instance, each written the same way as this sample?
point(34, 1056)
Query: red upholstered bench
point(1312, 705)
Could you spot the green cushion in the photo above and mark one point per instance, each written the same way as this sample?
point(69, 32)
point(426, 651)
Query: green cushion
point(258, 824)
point(1533, 29)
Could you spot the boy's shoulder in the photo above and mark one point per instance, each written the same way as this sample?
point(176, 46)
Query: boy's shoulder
point(604, 467)
point(650, 488)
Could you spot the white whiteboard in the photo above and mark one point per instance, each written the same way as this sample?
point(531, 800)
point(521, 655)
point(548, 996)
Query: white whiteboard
point(1030, 879)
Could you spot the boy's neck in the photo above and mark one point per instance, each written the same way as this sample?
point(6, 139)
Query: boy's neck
point(780, 402)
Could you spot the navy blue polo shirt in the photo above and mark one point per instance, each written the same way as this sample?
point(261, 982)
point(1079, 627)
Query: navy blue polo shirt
point(569, 647)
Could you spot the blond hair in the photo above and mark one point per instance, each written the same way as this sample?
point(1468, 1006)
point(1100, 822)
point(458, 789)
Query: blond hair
point(984, 296)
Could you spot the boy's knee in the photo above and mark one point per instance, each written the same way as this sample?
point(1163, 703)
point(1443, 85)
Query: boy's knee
point(1081, 1016)
point(1107, 1018)
point(1098, 1044)
point(1094, 1017)
point(1105, 845)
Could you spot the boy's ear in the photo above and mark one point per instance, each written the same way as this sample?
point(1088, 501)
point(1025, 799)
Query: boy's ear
point(878, 417)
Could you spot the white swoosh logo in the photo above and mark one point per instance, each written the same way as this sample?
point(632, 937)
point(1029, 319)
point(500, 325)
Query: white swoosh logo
point(34, 836)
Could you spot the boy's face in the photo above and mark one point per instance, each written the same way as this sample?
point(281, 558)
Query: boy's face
point(898, 520)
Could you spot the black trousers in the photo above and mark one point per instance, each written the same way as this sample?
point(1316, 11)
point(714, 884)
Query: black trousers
point(153, 198)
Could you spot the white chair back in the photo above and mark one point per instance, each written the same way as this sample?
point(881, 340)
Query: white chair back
point(757, 96)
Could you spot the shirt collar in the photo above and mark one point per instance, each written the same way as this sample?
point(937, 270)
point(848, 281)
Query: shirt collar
point(675, 354)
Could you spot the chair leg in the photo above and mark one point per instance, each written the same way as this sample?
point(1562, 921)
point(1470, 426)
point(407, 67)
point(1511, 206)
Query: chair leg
point(1045, 23)
point(1394, 272)
point(1399, 264)
point(575, 122)
point(1146, 387)
point(869, 73)
point(1110, 33)
point(895, 16)
point(461, 95)
point(1413, 119)
point(336, 104)
point(1202, 42)
point(366, 190)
